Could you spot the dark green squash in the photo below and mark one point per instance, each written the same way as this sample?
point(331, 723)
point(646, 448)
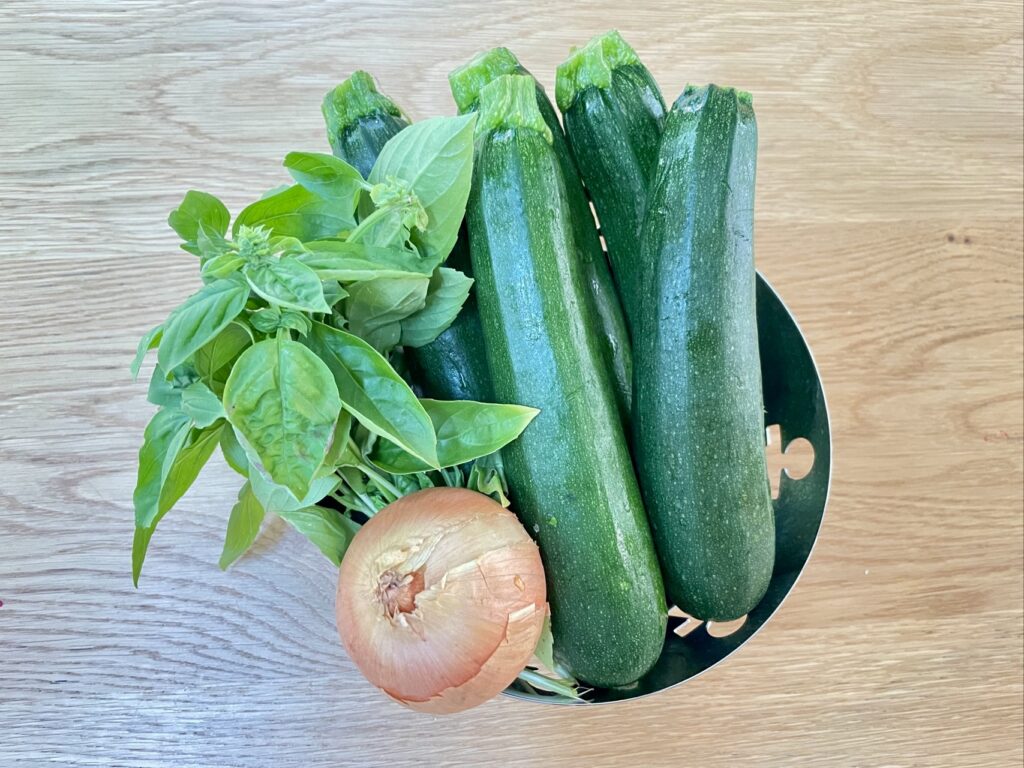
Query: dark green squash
point(466, 84)
point(613, 113)
point(570, 474)
point(360, 120)
point(699, 413)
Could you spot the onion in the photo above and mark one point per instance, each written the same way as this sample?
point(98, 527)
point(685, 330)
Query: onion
point(441, 599)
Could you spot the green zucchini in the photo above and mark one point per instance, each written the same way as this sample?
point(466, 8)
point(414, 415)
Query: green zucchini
point(699, 412)
point(570, 474)
point(360, 120)
point(613, 113)
point(466, 84)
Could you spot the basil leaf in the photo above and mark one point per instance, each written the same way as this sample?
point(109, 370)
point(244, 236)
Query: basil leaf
point(269, 319)
point(185, 469)
point(340, 454)
point(466, 430)
point(447, 292)
point(545, 651)
point(198, 208)
point(277, 498)
point(407, 484)
point(140, 545)
point(283, 400)
point(203, 315)
point(389, 457)
point(284, 245)
point(215, 355)
point(221, 265)
point(243, 526)
point(375, 308)
point(487, 476)
point(435, 158)
point(326, 176)
point(330, 530)
point(333, 292)
point(201, 404)
point(276, 190)
point(265, 320)
point(371, 390)
point(210, 242)
point(296, 212)
point(161, 391)
point(288, 283)
point(187, 465)
point(351, 262)
point(564, 687)
point(150, 340)
point(163, 439)
point(296, 321)
point(234, 453)
point(392, 230)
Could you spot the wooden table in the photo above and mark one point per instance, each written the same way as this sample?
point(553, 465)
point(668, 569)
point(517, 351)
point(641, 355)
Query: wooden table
point(889, 216)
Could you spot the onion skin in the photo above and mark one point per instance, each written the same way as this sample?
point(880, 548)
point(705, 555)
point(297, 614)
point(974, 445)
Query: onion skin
point(441, 599)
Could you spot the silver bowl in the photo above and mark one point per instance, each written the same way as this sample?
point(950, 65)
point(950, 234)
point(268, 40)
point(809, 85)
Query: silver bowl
point(794, 399)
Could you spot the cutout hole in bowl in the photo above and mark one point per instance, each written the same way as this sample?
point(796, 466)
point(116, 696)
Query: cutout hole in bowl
point(684, 627)
point(796, 461)
point(725, 628)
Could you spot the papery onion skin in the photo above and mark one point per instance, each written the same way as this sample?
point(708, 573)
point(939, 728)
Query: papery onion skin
point(441, 599)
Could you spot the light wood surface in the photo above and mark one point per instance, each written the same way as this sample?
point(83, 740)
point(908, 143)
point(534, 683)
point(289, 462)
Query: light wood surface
point(889, 217)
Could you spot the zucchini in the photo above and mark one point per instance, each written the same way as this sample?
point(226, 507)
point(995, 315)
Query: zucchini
point(613, 114)
point(466, 84)
point(570, 474)
point(699, 411)
point(360, 120)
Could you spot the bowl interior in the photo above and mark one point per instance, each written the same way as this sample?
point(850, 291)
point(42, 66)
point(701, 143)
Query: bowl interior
point(794, 401)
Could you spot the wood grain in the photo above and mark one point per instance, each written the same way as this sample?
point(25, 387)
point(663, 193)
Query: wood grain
point(889, 216)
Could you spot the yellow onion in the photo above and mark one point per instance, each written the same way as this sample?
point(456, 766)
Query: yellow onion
point(441, 599)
